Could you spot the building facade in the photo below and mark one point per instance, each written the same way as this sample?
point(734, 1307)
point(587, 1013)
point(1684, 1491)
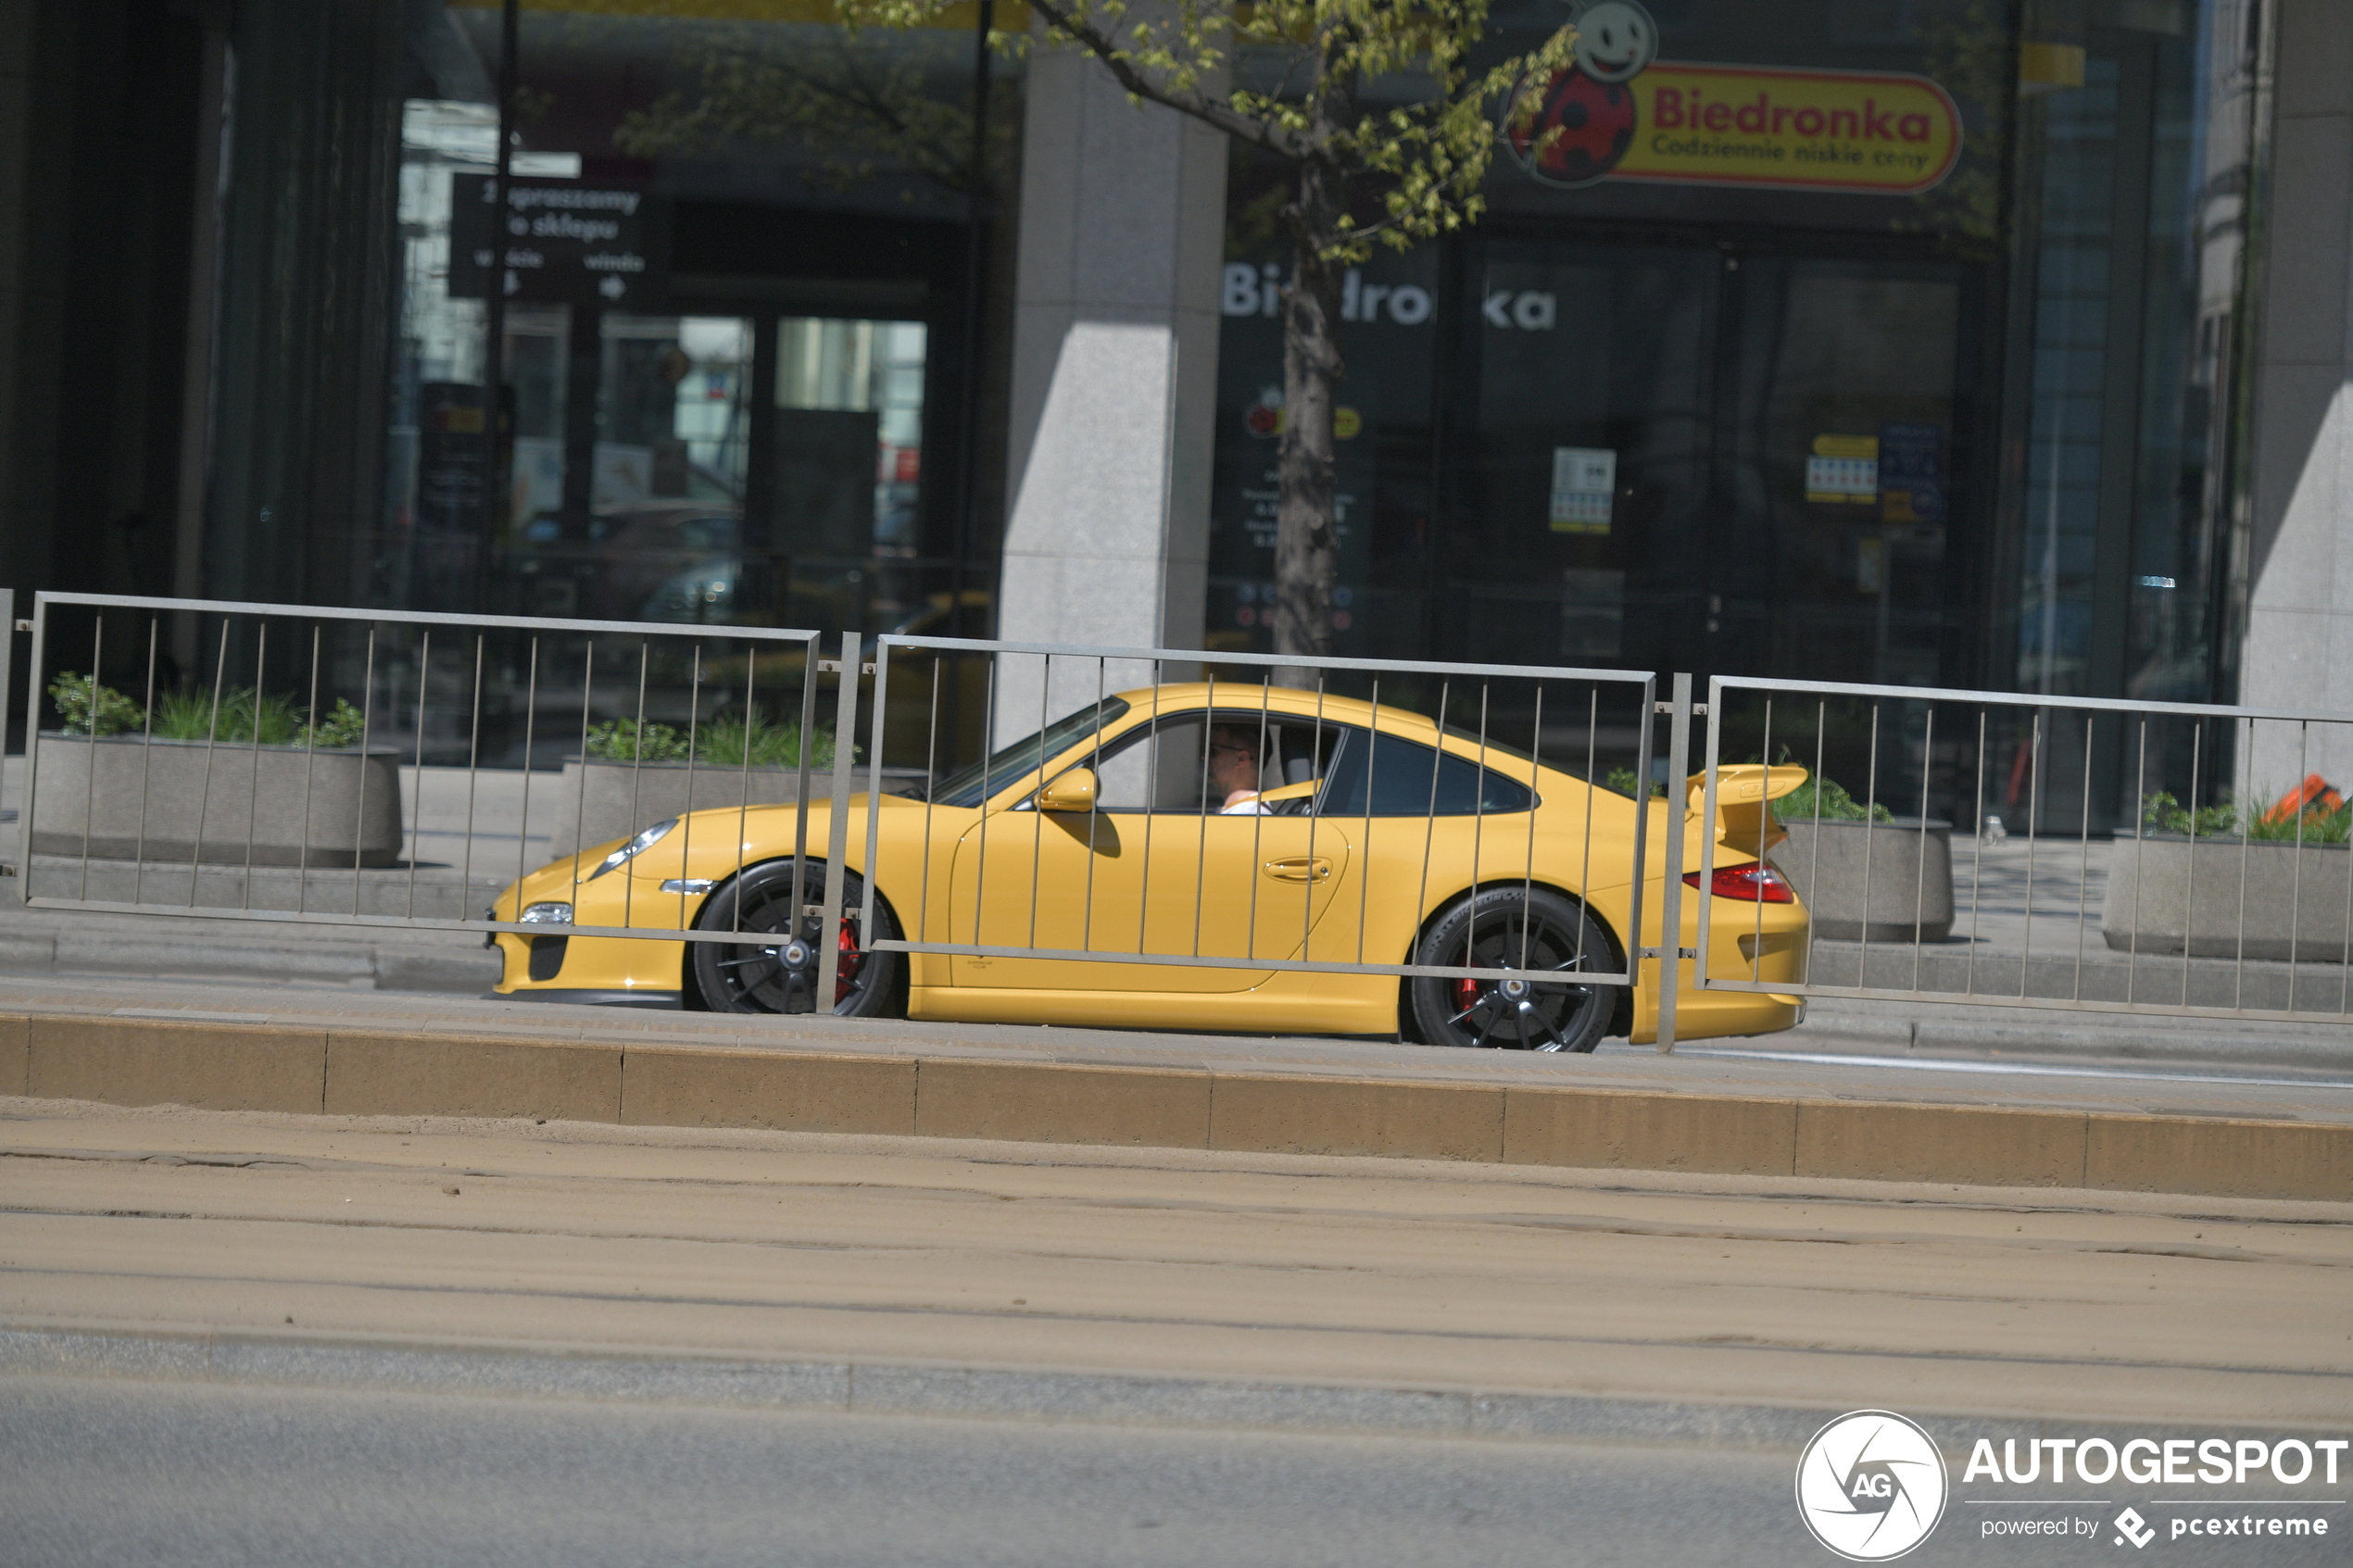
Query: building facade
point(1991, 344)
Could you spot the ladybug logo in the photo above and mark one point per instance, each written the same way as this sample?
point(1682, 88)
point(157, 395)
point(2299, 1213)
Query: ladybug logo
point(1586, 118)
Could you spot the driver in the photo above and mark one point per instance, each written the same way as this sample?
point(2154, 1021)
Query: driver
point(1233, 773)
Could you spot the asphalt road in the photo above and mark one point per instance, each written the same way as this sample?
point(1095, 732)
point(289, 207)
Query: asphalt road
point(184, 1476)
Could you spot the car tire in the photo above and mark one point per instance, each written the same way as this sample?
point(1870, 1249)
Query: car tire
point(781, 976)
point(1536, 1014)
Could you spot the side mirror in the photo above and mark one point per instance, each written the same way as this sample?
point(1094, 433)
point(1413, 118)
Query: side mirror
point(1074, 791)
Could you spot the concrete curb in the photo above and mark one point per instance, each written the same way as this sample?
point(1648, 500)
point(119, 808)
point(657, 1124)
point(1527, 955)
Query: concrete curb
point(883, 1388)
point(379, 1071)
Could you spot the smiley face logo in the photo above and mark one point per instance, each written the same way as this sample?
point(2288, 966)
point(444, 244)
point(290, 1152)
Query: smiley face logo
point(1616, 41)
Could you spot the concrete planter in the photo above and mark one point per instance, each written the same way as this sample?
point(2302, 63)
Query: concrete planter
point(120, 796)
point(596, 802)
point(1910, 895)
point(2214, 895)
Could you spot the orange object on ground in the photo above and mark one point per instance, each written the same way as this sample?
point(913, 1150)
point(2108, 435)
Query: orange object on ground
point(2315, 794)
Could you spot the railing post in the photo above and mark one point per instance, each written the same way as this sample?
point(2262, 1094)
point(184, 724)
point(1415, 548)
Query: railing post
point(1671, 951)
point(837, 828)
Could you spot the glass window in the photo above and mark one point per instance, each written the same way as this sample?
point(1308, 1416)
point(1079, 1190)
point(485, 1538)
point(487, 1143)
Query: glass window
point(1181, 762)
point(971, 786)
point(1393, 777)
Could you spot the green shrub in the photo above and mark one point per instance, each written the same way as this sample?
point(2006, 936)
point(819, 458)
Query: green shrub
point(89, 709)
point(2233, 819)
point(731, 741)
point(624, 740)
point(1825, 800)
point(243, 716)
point(1626, 781)
point(341, 729)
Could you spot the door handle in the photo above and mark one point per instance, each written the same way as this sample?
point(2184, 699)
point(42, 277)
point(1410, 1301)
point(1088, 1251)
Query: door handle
point(1300, 868)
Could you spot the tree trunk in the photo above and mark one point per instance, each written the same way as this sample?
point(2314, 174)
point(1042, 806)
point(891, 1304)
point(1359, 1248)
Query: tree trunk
point(1306, 535)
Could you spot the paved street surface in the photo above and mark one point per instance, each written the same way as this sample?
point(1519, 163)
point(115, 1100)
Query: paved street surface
point(1177, 1263)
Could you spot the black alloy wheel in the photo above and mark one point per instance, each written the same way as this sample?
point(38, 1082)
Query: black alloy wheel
point(1549, 936)
point(780, 974)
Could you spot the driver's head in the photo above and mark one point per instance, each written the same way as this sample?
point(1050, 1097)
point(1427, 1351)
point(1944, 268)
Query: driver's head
point(1233, 761)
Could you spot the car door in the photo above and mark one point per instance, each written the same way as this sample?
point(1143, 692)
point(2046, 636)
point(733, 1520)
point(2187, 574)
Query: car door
point(1151, 871)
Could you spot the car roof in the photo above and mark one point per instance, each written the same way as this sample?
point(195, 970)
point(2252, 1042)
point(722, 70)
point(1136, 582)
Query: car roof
point(1288, 702)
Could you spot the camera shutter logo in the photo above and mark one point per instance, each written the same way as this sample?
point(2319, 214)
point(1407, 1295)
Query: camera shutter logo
point(1871, 1485)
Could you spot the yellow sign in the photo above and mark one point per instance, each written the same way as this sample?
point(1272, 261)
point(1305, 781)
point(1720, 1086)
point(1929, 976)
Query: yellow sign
point(1871, 134)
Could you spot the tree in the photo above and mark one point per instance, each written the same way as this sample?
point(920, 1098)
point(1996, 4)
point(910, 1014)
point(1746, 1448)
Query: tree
point(1386, 131)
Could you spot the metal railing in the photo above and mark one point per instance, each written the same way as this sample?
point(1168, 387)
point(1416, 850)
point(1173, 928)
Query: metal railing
point(2014, 850)
point(279, 798)
point(1324, 784)
point(1198, 822)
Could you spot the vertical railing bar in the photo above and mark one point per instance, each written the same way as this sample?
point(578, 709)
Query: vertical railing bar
point(1429, 813)
point(1314, 762)
point(1258, 815)
point(1670, 914)
point(1037, 804)
point(2189, 882)
point(1764, 831)
point(253, 774)
point(637, 786)
point(2033, 831)
point(1585, 870)
point(1645, 738)
point(2083, 862)
point(1364, 857)
point(211, 739)
point(1703, 893)
point(1201, 847)
point(97, 652)
point(987, 744)
point(794, 919)
point(1478, 830)
point(310, 762)
point(874, 803)
point(1870, 814)
point(1977, 858)
point(2295, 872)
point(2246, 841)
point(146, 746)
point(32, 723)
point(473, 771)
point(1528, 871)
point(830, 920)
point(2140, 844)
point(799, 916)
point(530, 728)
point(417, 799)
point(1087, 914)
point(1920, 870)
point(931, 781)
point(694, 738)
point(580, 803)
point(1151, 808)
point(367, 728)
point(1814, 850)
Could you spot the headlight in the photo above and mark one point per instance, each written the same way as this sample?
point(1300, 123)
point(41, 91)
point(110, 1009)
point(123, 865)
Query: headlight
point(633, 848)
point(545, 914)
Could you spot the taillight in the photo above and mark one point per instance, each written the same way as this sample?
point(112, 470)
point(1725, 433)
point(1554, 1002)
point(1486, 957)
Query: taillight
point(1756, 882)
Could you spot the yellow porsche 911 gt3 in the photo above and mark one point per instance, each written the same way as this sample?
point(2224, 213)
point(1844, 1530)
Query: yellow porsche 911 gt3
point(1190, 839)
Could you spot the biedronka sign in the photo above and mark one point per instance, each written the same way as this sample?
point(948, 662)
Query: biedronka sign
point(1618, 113)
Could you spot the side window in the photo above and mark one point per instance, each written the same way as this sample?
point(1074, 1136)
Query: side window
point(1155, 767)
point(1402, 778)
point(1186, 761)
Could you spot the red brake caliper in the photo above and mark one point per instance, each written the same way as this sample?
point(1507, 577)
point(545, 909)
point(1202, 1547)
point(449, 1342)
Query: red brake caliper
point(1466, 994)
point(846, 967)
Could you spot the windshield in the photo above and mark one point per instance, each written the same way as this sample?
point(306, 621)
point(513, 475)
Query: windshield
point(973, 784)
